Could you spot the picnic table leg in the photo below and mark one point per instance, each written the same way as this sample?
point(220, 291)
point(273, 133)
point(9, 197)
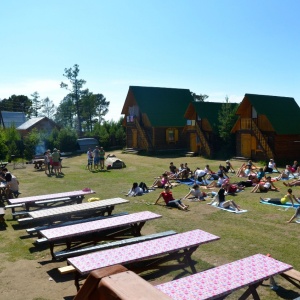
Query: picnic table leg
point(76, 280)
point(51, 246)
point(110, 209)
point(79, 199)
point(251, 290)
point(187, 256)
point(136, 228)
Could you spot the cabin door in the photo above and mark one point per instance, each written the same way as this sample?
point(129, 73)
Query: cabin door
point(134, 138)
point(246, 145)
point(193, 142)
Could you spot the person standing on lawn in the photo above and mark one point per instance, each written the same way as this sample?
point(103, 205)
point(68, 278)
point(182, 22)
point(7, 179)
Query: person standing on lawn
point(90, 158)
point(96, 154)
point(101, 157)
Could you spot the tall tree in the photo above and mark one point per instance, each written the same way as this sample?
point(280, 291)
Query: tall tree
point(36, 104)
point(199, 98)
point(18, 103)
point(48, 108)
point(227, 118)
point(65, 112)
point(76, 89)
point(101, 107)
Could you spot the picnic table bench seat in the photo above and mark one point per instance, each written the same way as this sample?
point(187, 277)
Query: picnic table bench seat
point(121, 243)
point(32, 200)
point(37, 229)
point(144, 255)
point(99, 230)
point(292, 276)
point(218, 282)
point(65, 213)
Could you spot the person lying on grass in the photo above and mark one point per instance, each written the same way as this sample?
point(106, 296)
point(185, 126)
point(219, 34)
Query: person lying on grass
point(195, 193)
point(292, 183)
point(169, 200)
point(265, 186)
point(288, 197)
point(135, 190)
point(221, 202)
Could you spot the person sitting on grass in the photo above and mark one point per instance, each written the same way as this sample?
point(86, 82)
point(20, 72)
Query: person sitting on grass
point(261, 175)
point(173, 171)
point(292, 183)
point(169, 200)
point(135, 190)
point(288, 197)
point(212, 175)
point(296, 215)
point(183, 173)
point(196, 194)
point(199, 175)
point(161, 182)
point(271, 166)
point(221, 202)
point(222, 182)
point(284, 174)
point(229, 167)
point(265, 187)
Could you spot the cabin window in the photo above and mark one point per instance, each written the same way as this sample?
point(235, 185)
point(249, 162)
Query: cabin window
point(190, 122)
point(172, 135)
point(254, 113)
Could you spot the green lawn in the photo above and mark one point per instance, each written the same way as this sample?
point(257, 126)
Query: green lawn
point(261, 230)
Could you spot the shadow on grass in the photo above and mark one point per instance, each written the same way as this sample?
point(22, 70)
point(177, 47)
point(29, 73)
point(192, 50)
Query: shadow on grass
point(57, 277)
point(286, 294)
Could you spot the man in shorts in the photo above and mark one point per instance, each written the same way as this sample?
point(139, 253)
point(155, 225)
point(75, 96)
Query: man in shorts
point(96, 154)
point(90, 159)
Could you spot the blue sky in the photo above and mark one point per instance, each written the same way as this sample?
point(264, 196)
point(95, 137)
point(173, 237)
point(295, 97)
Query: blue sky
point(218, 48)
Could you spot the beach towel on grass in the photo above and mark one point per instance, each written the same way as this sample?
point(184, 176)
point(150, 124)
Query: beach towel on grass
point(287, 205)
point(228, 209)
point(190, 181)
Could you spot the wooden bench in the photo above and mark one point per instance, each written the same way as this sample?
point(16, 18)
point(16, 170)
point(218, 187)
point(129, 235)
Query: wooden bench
point(33, 230)
point(144, 255)
point(218, 282)
point(292, 276)
point(99, 230)
point(85, 250)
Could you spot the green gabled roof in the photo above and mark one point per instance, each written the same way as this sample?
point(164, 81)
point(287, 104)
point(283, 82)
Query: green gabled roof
point(282, 112)
point(165, 107)
point(210, 111)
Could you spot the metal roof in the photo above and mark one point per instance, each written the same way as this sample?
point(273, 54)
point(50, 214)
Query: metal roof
point(12, 117)
point(30, 123)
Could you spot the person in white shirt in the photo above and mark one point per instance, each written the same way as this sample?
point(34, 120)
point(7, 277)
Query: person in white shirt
point(135, 190)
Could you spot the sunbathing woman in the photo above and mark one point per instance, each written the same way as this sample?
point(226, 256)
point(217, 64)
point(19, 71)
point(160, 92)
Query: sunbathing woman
point(222, 182)
point(196, 193)
point(292, 183)
point(288, 197)
point(162, 181)
point(220, 198)
point(285, 173)
point(229, 167)
point(170, 201)
point(266, 186)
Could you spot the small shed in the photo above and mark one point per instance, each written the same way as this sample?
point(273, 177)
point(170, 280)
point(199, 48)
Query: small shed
point(86, 143)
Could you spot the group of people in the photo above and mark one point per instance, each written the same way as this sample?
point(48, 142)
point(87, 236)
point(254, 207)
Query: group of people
point(95, 158)
point(52, 162)
point(10, 184)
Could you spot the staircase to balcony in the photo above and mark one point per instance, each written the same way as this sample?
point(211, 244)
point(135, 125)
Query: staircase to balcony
point(262, 140)
point(144, 140)
point(207, 148)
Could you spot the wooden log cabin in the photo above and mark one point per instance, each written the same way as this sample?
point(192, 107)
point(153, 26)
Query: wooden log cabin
point(203, 127)
point(154, 118)
point(268, 127)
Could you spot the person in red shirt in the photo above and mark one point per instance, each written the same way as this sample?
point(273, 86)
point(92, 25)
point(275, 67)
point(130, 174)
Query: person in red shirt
point(169, 200)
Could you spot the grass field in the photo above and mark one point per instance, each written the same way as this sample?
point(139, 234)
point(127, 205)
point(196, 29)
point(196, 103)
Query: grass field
point(263, 229)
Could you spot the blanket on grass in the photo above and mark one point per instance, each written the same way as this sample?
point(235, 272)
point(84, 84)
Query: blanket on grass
point(287, 205)
point(190, 181)
point(230, 209)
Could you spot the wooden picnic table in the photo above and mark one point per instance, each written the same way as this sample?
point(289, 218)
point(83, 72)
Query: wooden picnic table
point(99, 230)
point(31, 200)
point(144, 255)
point(59, 213)
point(220, 281)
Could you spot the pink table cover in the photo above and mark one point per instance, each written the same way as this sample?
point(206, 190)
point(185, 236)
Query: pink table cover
point(50, 196)
point(127, 254)
point(64, 210)
point(94, 226)
point(219, 281)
